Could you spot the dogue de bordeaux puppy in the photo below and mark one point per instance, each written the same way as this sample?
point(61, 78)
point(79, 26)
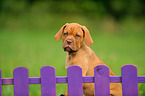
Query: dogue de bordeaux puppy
point(77, 41)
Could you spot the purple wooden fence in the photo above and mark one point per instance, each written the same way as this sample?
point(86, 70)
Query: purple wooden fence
point(102, 81)
point(21, 82)
point(48, 80)
point(75, 81)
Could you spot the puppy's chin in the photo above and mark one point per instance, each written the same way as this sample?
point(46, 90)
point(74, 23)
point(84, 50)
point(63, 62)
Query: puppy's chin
point(70, 50)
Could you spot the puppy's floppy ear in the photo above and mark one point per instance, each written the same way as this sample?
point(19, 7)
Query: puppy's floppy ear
point(58, 36)
point(88, 38)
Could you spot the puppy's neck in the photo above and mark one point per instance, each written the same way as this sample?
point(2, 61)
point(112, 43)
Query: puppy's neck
point(81, 49)
point(81, 53)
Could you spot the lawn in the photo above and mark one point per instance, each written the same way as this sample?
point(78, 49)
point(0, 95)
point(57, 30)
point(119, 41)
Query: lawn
point(34, 49)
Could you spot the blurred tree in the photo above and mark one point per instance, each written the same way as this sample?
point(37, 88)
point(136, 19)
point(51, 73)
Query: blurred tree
point(118, 9)
point(30, 2)
point(1, 3)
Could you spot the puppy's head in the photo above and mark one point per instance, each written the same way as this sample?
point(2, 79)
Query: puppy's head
point(73, 36)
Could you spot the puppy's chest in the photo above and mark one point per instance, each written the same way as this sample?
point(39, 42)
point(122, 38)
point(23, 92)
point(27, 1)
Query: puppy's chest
point(70, 61)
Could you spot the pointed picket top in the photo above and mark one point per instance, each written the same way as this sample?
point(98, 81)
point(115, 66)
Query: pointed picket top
point(48, 81)
point(21, 81)
point(102, 80)
point(129, 80)
point(75, 81)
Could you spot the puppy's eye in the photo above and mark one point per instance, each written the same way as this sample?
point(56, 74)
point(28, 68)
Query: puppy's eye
point(78, 35)
point(65, 34)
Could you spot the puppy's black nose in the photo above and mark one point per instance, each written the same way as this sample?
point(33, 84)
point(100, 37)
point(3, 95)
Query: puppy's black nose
point(68, 42)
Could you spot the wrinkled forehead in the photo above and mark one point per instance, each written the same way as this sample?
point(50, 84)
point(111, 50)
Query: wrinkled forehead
point(73, 30)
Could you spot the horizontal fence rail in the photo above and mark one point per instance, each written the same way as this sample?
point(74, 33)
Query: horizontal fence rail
point(63, 79)
point(48, 80)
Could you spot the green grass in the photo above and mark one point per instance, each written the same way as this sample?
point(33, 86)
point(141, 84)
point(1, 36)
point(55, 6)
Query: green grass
point(35, 49)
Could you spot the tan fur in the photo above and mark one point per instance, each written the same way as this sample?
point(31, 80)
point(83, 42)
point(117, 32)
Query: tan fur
point(83, 55)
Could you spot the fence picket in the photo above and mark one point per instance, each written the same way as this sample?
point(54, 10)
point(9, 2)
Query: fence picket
point(0, 84)
point(75, 81)
point(21, 82)
point(129, 80)
point(102, 80)
point(48, 81)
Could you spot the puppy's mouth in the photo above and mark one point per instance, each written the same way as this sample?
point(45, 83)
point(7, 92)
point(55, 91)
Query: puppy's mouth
point(69, 49)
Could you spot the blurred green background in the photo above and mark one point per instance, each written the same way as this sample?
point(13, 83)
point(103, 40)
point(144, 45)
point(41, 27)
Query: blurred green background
point(27, 29)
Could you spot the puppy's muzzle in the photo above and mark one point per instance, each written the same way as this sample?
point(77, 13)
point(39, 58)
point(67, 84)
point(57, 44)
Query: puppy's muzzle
point(69, 42)
point(69, 46)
